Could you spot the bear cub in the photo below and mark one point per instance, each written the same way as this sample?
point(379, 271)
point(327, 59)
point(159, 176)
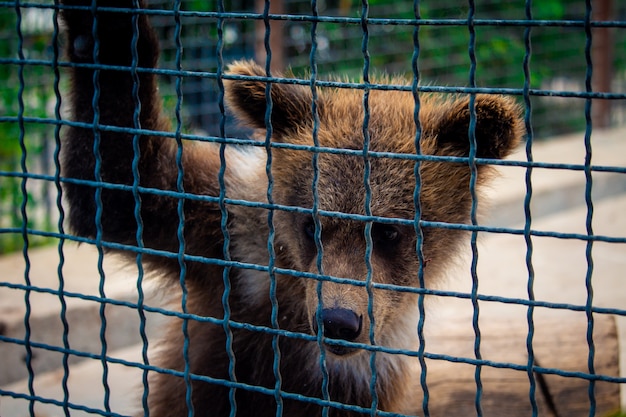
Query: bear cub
point(261, 308)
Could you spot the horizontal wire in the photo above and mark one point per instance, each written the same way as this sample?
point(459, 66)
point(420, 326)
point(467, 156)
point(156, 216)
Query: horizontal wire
point(329, 83)
point(295, 274)
point(298, 147)
point(569, 23)
point(382, 349)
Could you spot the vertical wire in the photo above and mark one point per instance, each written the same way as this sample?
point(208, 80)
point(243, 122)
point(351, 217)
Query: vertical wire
point(23, 208)
point(472, 186)
point(315, 209)
point(270, 214)
point(418, 208)
point(98, 200)
point(137, 197)
point(180, 234)
point(59, 205)
point(589, 203)
point(527, 212)
point(368, 201)
point(232, 392)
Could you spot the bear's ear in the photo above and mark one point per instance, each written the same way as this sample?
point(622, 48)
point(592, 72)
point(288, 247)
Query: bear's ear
point(291, 104)
point(498, 129)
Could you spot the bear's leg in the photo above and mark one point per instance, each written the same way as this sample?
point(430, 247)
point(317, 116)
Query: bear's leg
point(113, 93)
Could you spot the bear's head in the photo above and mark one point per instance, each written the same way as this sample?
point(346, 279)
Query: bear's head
point(337, 173)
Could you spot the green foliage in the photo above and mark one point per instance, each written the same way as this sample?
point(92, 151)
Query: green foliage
point(444, 50)
point(18, 139)
point(557, 60)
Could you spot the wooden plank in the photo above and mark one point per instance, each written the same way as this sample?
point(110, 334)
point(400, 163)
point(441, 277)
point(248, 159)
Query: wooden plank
point(559, 343)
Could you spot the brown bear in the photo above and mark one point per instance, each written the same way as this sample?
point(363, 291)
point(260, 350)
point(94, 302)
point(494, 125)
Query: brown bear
point(298, 276)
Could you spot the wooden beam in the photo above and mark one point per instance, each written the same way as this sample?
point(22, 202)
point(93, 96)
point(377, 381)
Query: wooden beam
point(602, 58)
point(558, 343)
point(277, 36)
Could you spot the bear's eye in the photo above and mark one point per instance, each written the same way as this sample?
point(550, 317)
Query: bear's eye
point(309, 229)
point(385, 234)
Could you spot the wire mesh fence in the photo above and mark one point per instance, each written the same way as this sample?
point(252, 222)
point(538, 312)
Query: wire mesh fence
point(561, 62)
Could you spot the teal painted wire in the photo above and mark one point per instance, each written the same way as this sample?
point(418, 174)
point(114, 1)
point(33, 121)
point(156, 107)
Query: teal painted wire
point(325, 213)
point(419, 245)
point(296, 274)
point(137, 209)
point(303, 336)
point(28, 359)
point(258, 389)
point(528, 217)
point(368, 202)
point(180, 233)
point(219, 72)
point(98, 199)
point(61, 404)
point(527, 213)
point(569, 23)
point(473, 219)
point(305, 82)
point(319, 149)
point(270, 214)
point(589, 217)
point(59, 205)
point(298, 81)
point(317, 236)
point(226, 323)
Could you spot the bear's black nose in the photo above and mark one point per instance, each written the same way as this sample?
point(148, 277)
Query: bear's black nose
point(340, 323)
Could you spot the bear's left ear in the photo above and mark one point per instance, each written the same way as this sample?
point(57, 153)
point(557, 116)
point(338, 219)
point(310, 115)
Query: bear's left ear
point(291, 104)
point(499, 127)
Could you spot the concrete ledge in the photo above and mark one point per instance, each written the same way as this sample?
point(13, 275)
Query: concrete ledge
point(86, 389)
point(84, 322)
point(556, 190)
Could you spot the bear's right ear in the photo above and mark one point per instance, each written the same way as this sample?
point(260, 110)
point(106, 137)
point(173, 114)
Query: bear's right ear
point(291, 104)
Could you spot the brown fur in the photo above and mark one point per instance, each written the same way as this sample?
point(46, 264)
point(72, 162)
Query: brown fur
point(445, 197)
